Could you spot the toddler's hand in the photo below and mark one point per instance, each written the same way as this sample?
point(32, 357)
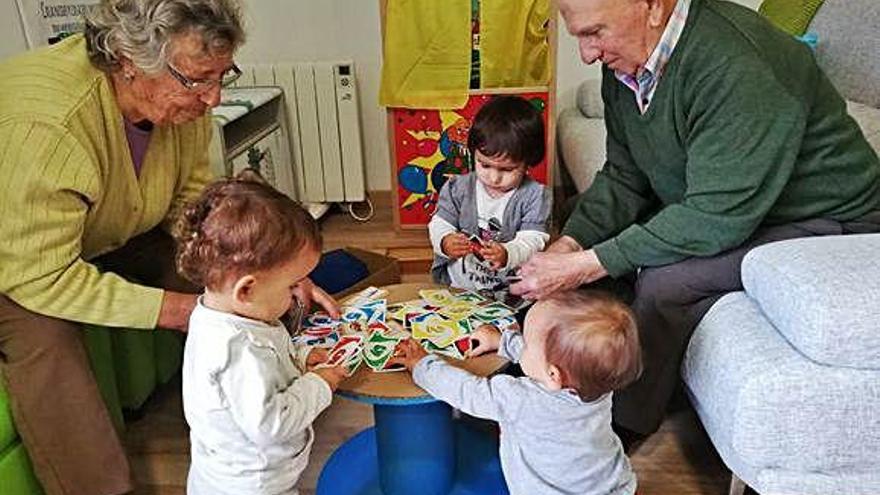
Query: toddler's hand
point(333, 376)
point(455, 245)
point(408, 353)
point(316, 356)
point(495, 253)
point(487, 338)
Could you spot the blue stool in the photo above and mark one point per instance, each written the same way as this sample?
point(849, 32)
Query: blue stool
point(415, 447)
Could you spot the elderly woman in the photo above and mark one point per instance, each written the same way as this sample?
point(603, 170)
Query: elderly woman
point(103, 137)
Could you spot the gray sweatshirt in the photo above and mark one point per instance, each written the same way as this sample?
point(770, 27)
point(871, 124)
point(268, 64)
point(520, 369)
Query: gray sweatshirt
point(552, 442)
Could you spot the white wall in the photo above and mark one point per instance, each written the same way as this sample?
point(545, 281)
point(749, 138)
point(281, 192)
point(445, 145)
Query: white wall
point(298, 30)
point(294, 30)
point(11, 34)
point(301, 30)
point(570, 71)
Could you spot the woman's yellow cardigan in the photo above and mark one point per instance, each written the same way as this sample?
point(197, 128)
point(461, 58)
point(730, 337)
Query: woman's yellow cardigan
point(68, 189)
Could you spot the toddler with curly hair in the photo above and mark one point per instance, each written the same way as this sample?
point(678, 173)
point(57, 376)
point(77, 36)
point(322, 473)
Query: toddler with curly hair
point(249, 394)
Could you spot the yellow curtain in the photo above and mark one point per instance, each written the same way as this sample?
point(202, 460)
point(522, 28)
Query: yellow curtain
point(514, 43)
point(426, 54)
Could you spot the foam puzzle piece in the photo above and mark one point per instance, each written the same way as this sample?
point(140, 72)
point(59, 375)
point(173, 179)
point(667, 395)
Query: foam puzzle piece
point(416, 318)
point(502, 324)
point(370, 329)
point(471, 297)
point(375, 310)
point(464, 345)
point(451, 351)
point(365, 296)
point(323, 341)
point(379, 349)
point(458, 310)
point(353, 364)
point(319, 319)
point(318, 331)
point(492, 311)
point(396, 312)
point(346, 352)
point(436, 297)
point(355, 313)
point(441, 332)
point(423, 326)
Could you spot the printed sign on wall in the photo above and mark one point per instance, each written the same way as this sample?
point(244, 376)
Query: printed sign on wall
point(49, 21)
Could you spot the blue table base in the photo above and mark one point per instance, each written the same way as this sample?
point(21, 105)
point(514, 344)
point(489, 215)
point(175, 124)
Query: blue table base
point(415, 449)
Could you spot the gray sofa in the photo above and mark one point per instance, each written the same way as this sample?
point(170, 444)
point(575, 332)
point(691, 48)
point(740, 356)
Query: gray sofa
point(785, 376)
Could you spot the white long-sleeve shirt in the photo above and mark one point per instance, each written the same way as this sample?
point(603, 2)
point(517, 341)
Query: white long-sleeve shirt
point(469, 272)
point(249, 405)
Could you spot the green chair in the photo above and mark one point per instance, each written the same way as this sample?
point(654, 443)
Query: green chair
point(128, 365)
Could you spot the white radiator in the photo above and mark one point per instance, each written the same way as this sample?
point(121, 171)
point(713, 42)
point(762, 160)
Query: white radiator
point(323, 127)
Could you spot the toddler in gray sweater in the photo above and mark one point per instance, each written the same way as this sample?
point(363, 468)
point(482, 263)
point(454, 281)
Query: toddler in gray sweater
point(556, 437)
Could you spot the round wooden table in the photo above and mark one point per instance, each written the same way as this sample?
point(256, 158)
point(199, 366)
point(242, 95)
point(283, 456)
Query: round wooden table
point(415, 446)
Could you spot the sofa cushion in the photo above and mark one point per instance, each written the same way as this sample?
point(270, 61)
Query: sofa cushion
point(581, 143)
point(777, 419)
point(869, 120)
point(822, 295)
point(848, 47)
point(589, 99)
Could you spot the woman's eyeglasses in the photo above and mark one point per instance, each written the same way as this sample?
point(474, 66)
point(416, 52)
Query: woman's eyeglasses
point(202, 85)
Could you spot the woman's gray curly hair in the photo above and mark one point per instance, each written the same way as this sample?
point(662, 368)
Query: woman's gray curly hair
point(142, 30)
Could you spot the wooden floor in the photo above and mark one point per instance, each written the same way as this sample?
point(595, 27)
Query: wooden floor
point(411, 247)
point(679, 459)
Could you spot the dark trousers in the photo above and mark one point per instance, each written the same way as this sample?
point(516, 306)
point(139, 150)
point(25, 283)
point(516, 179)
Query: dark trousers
point(669, 301)
point(56, 404)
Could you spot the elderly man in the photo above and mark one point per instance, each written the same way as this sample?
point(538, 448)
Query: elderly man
point(723, 134)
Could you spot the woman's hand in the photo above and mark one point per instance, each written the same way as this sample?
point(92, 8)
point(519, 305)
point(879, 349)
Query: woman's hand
point(487, 338)
point(549, 272)
point(175, 310)
point(564, 244)
point(307, 292)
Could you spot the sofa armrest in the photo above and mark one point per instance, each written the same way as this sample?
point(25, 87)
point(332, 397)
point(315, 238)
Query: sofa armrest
point(589, 99)
point(821, 294)
point(848, 47)
point(868, 119)
point(581, 144)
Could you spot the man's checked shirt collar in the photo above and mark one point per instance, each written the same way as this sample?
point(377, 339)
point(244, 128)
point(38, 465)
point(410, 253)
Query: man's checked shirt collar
point(646, 82)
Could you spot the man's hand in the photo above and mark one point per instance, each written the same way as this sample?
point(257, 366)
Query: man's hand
point(333, 376)
point(564, 244)
point(546, 273)
point(495, 253)
point(487, 338)
point(455, 245)
point(408, 353)
point(175, 311)
point(315, 357)
point(306, 291)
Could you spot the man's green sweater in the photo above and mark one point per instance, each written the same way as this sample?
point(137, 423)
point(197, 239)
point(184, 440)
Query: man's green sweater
point(744, 130)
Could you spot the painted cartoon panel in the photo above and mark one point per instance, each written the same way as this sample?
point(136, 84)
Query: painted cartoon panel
point(431, 145)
